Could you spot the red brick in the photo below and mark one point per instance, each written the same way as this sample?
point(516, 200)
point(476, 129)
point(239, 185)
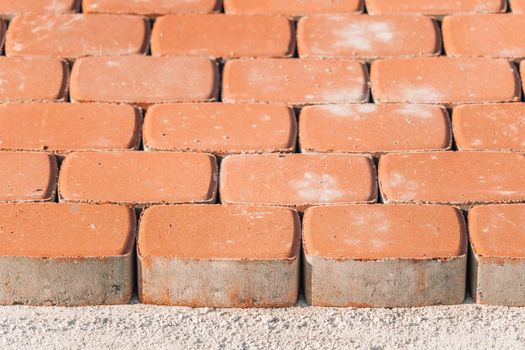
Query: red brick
point(27, 177)
point(138, 178)
point(494, 127)
point(295, 82)
point(65, 127)
point(12, 8)
point(223, 36)
point(251, 259)
point(497, 36)
point(66, 254)
point(297, 180)
point(375, 129)
point(32, 80)
point(444, 80)
point(144, 80)
point(460, 178)
point(517, 6)
point(358, 255)
point(367, 37)
point(220, 128)
point(434, 7)
point(150, 8)
point(74, 35)
point(498, 254)
point(291, 7)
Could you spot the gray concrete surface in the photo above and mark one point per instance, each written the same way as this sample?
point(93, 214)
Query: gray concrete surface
point(137, 326)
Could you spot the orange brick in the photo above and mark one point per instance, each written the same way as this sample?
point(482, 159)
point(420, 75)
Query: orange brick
point(444, 80)
point(295, 82)
point(291, 7)
point(434, 7)
point(498, 254)
point(65, 127)
point(12, 8)
point(250, 259)
point(375, 129)
point(517, 6)
point(494, 127)
point(138, 178)
point(497, 36)
point(144, 80)
point(459, 178)
point(32, 80)
point(223, 36)
point(220, 128)
point(66, 254)
point(357, 255)
point(27, 177)
point(150, 8)
point(367, 37)
point(74, 35)
point(297, 180)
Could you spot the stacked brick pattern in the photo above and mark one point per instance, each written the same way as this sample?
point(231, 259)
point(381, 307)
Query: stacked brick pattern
point(374, 148)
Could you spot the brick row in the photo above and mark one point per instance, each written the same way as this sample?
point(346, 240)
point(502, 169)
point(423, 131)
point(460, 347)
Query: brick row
point(354, 255)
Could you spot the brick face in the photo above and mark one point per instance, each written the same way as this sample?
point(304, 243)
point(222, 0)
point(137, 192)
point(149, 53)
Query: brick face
point(434, 7)
point(144, 80)
point(367, 37)
point(374, 129)
point(75, 35)
point(444, 80)
point(150, 8)
point(223, 36)
point(292, 7)
point(297, 180)
point(294, 82)
point(10, 8)
point(220, 128)
point(138, 178)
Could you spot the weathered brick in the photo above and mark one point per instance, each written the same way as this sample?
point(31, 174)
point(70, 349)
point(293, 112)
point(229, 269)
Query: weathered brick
point(219, 256)
point(434, 7)
point(367, 37)
point(65, 127)
point(498, 254)
point(223, 36)
point(297, 180)
point(144, 80)
point(490, 127)
point(292, 7)
point(220, 128)
point(444, 80)
point(295, 82)
point(374, 129)
point(384, 255)
point(27, 177)
point(74, 35)
point(33, 80)
point(66, 254)
point(151, 8)
point(12, 8)
point(138, 178)
point(459, 178)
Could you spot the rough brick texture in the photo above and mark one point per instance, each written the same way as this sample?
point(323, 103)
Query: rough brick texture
point(375, 129)
point(138, 178)
point(66, 127)
point(434, 7)
point(251, 259)
point(297, 180)
point(358, 255)
point(12, 8)
point(223, 36)
point(444, 80)
point(367, 37)
point(51, 254)
point(144, 80)
point(295, 82)
point(27, 177)
point(220, 128)
point(150, 8)
point(75, 35)
point(490, 127)
point(292, 7)
point(498, 254)
point(461, 178)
